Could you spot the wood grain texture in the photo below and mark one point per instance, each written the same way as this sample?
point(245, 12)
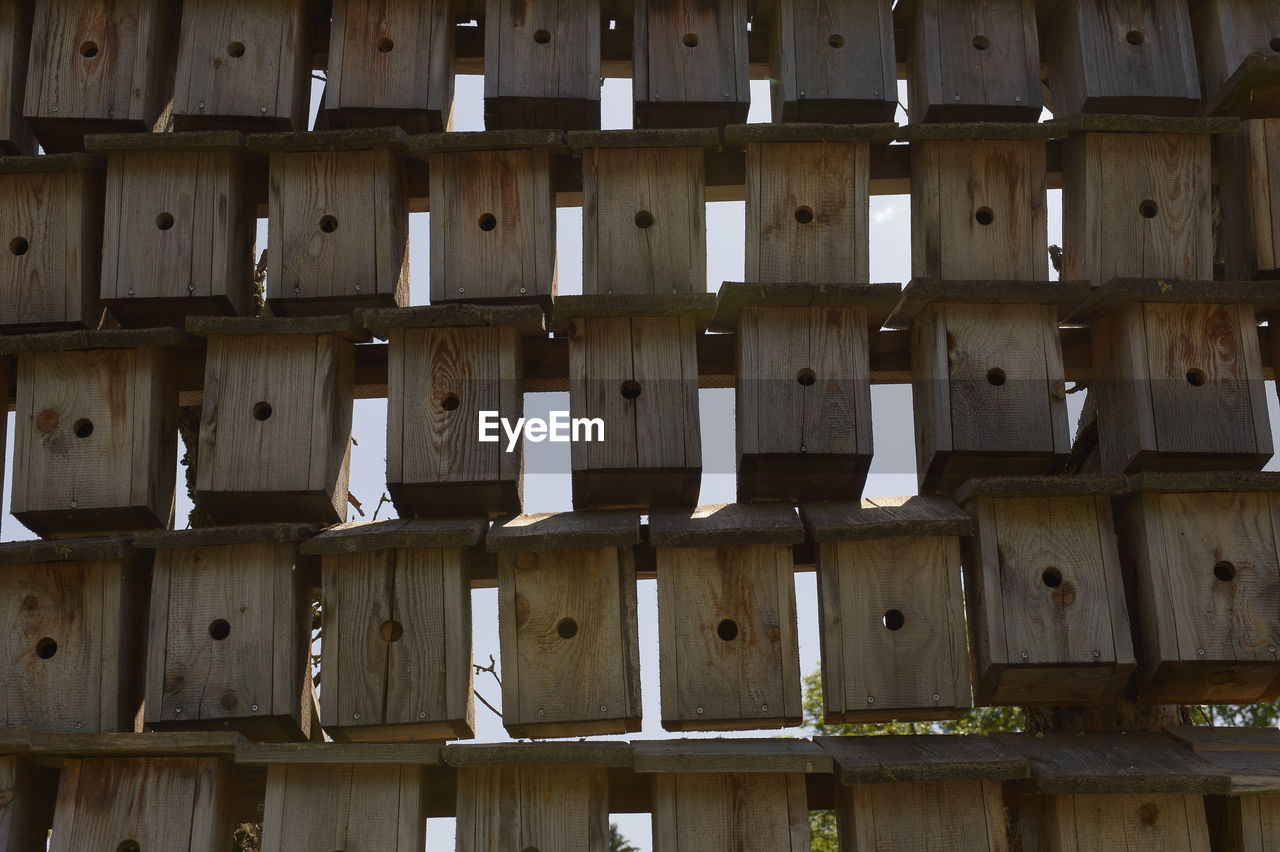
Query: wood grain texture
point(493, 225)
point(1228, 35)
point(95, 444)
point(390, 62)
point(1252, 823)
point(748, 812)
point(891, 614)
point(979, 210)
point(178, 236)
point(15, 48)
point(570, 662)
point(354, 807)
point(398, 661)
point(803, 403)
point(651, 454)
point(974, 60)
point(1180, 388)
point(243, 65)
point(1249, 165)
point(340, 221)
point(439, 380)
point(1206, 578)
point(989, 393)
point(1121, 56)
point(27, 794)
point(808, 209)
point(228, 641)
point(1046, 601)
point(530, 807)
point(816, 78)
point(275, 428)
point(98, 65)
point(727, 638)
point(1127, 822)
point(690, 63)
point(1137, 205)
point(71, 661)
point(644, 221)
point(921, 815)
point(51, 224)
point(542, 64)
point(177, 803)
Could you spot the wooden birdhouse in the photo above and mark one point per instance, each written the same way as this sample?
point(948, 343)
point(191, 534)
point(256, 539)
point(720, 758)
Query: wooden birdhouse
point(15, 47)
point(98, 67)
point(139, 803)
point(243, 64)
point(275, 426)
point(1123, 56)
point(1129, 792)
point(1179, 374)
point(534, 795)
point(1246, 819)
point(27, 795)
point(542, 64)
point(51, 240)
point(396, 662)
point(390, 63)
point(730, 793)
point(447, 365)
point(971, 60)
point(1249, 239)
point(1046, 612)
point(644, 229)
point(1200, 551)
point(230, 634)
point(179, 226)
point(566, 620)
point(343, 796)
point(1238, 53)
point(978, 207)
point(815, 78)
point(808, 200)
point(803, 396)
point(95, 430)
point(690, 63)
point(493, 217)
point(71, 660)
point(921, 792)
point(988, 385)
point(339, 216)
point(727, 617)
point(633, 371)
point(891, 611)
point(1137, 204)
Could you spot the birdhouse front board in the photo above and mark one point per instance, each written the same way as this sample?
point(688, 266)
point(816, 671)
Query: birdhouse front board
point(171, 803)
point(97, 67)
point(890, 608)
point(1201, 550)
point(50, 240)
point(95, 432)
point(71, 607)
point(390, 63)
point(690, 63)
point(726, 616)
point(566, 621)
point(179, 227)
point(397, 613)
point(542, 64)
point(1046, 597)
point(243, 65)
point(275, 426)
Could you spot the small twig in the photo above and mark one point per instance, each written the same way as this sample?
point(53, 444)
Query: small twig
point(492, 669)
point(355, 503)
point(320, 77)
point(486, 703)
point(381, 501)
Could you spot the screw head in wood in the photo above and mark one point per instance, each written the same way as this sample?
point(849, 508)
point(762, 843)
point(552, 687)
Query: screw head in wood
point(461, 289)
point(875, 92)
point(1017, 99)
point(957, 99)
point(764, 708)
point(55, 107)
point(357, 288)
point(253, 707)
point(422, 714)
point(936, 698)
point(177, 710)
point(1025, 655)
point(262, 109)
point(540, 711)
point(111, 113)
point(1271, 648)
point(699, 711)
point(130, 291)
point(77, 726)
point(871, 699)
point(200, 105)
point(297, 290)
point(522, 291)
point(603, 708)
point(73, 504)
point(1097, 654)
point(355, 716)
point(1200, 651)
point(802, 93)
point(191, 288)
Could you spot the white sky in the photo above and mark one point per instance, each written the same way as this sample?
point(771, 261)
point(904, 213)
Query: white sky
point(892, 471)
